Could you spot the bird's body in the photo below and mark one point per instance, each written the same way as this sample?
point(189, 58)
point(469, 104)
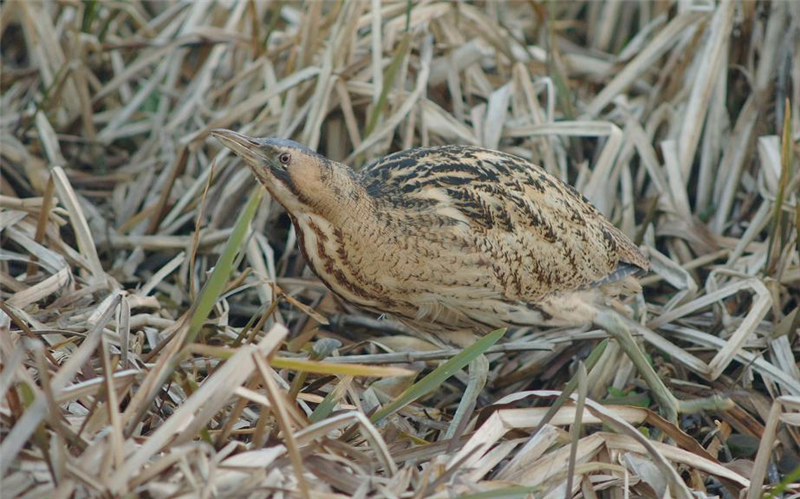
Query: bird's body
point(445, 237)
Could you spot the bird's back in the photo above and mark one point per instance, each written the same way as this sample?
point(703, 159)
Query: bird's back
point(541, 237)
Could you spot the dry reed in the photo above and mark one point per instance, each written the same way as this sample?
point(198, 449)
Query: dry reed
point(680, 120)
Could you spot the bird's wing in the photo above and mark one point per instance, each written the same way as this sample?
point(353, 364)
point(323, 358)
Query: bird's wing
point(542, 235)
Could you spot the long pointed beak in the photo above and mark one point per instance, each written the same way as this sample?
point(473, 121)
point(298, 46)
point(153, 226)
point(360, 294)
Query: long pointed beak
point(246, 147)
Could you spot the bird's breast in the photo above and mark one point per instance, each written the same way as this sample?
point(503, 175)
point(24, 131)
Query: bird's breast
point(373, 265)
point(348, 262)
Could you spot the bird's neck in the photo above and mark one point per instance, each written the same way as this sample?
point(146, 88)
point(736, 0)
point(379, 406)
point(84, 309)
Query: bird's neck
point(339, 197)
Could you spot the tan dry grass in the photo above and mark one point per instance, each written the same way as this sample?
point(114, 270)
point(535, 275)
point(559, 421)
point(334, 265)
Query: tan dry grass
point(680, 120)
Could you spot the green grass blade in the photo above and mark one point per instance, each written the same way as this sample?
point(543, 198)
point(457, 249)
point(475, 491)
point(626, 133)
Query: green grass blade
point(222, 271)
point(325, 408)
point(520, 492)
point(789, 479)
point(328, 404)
point(776, 234)
point(89, 15)
point(797, 228)
point(330, 368)
point(388, 81)
point(555, 69)
point(439, 375)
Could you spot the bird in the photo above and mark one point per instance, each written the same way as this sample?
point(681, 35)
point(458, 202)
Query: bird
point(446, 238)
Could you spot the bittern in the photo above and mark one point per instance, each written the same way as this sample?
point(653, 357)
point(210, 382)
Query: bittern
point(445, 238)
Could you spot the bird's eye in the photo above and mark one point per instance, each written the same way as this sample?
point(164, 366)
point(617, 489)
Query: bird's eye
point(285, 158)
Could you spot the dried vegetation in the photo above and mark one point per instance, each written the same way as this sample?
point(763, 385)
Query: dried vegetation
point(128, 366)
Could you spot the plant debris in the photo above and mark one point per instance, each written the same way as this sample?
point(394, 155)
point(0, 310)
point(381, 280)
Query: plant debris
point(122, 374)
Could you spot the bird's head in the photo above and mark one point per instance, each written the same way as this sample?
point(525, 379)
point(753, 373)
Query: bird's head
point(297, 177)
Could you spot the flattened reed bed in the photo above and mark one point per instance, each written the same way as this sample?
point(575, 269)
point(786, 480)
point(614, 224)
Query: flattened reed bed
point(146, 350)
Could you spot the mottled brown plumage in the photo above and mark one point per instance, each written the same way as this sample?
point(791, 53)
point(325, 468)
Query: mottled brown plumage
point(445, 237)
